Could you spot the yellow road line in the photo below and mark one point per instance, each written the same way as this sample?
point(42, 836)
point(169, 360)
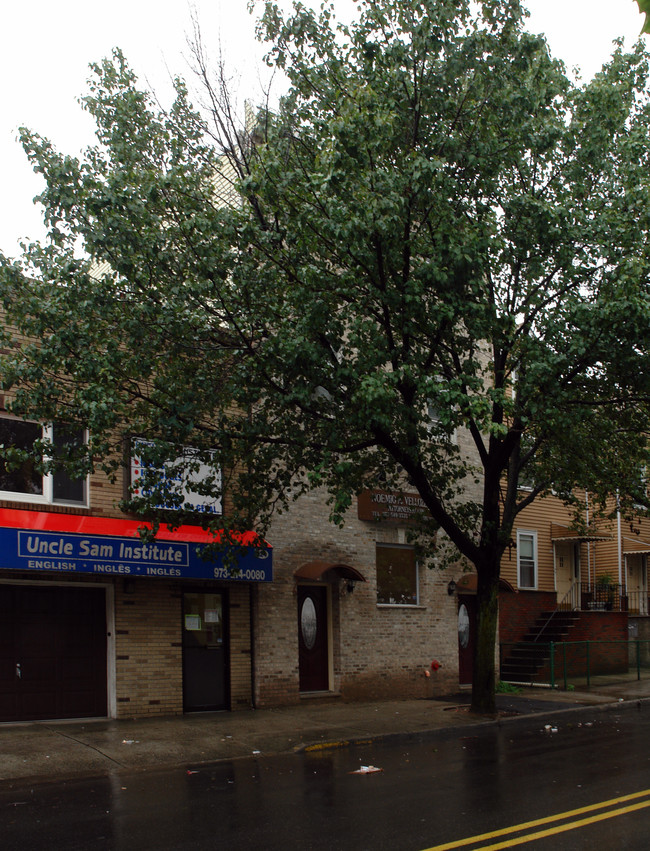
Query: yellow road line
point(562, 828)
point(470, 840)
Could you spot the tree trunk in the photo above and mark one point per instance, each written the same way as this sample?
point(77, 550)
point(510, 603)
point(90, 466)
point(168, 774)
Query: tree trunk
point(483, 676)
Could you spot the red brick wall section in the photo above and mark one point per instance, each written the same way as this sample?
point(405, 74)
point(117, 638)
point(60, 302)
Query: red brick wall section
point(517, 612)
point(608, 651)
point(607, 633)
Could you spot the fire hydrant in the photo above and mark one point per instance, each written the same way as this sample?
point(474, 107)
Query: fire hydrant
point(435, 665)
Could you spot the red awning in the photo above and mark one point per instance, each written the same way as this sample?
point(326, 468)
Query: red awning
point(83, 524)
point(324, 570)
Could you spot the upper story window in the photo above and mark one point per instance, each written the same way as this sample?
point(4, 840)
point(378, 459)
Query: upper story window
point(527, 559)
point(185, 482)
point(436, 426)
point(20, 479)
point(526, 480)
point(397, 575)
point(641, 502)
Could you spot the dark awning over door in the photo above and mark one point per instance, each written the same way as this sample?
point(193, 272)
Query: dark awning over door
point(328, 571)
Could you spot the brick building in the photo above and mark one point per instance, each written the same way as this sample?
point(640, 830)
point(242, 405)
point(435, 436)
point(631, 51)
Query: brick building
point(97, 623)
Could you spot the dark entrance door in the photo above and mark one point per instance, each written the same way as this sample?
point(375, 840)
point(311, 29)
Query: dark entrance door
point(466, 637)
point(313, 654)
point(52, 652)
point(205, 664)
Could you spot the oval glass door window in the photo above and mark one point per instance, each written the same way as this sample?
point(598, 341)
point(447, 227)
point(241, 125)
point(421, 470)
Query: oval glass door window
point(308, 623)
point(463, 626)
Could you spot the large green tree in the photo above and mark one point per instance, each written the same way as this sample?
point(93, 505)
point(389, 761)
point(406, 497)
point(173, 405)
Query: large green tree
point(435, 234)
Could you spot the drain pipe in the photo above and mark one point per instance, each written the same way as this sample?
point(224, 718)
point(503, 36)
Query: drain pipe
point(251, 625)
point(619, 542)
point(588, 543)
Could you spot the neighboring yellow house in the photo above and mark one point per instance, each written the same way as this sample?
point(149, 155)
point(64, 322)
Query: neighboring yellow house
point(573, 583)
point(550, 553)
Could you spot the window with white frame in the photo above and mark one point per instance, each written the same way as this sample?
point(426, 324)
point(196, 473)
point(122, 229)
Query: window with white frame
point(527, 559)
point(397, 575)
point(21, 480)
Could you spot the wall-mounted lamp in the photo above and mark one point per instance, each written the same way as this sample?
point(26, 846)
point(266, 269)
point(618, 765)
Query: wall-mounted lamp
point(128, 586)
point(350, 586)
point(451, 588)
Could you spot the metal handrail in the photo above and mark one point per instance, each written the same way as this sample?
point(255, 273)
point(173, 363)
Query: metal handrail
point(558, 608)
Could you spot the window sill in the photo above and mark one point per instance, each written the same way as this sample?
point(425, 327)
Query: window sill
point(409, 606)
point(319, 695)
point(54, 507)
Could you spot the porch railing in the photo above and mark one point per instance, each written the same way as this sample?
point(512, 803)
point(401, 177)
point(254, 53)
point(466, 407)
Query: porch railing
point(603, 598)
point(637, 603)
point(571, 600)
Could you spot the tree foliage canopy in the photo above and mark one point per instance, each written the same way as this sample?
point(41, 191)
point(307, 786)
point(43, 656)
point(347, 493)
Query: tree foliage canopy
point(644, 9)
point(434, 221)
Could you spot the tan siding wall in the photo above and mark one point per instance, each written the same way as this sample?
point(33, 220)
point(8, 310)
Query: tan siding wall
point(537, 517)
point(596, 558)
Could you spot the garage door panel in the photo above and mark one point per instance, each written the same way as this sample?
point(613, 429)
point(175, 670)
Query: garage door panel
point(8, 706)
point(56, 638)
point(34, 707)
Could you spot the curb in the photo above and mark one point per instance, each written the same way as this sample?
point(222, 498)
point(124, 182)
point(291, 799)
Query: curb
point(318, 747)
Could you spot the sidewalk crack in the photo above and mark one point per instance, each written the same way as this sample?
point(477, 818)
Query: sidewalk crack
point(85, 745)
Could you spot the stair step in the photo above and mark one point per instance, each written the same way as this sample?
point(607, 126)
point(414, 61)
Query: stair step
point(526, 658)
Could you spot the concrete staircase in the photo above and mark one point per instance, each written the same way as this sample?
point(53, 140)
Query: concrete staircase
point(522, 661)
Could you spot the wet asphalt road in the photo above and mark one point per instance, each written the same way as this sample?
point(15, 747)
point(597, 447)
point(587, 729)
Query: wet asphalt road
point(434, 789)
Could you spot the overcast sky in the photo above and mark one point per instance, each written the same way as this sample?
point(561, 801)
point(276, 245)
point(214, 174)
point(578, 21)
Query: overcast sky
point(48, 46)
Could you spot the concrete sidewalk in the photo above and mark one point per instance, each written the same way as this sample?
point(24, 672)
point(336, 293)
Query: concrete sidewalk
point(54, 750)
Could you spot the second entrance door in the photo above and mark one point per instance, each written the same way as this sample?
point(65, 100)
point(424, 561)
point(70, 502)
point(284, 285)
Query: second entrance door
point(313, 641)
point(205, 668)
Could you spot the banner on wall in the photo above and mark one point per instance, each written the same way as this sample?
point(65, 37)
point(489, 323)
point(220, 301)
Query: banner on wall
point(30, 541)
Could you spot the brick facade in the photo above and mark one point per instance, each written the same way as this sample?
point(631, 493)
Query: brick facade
point(144, 623)
point(374, 650)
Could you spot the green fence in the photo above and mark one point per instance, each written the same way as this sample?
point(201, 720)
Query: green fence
point(574, 663)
